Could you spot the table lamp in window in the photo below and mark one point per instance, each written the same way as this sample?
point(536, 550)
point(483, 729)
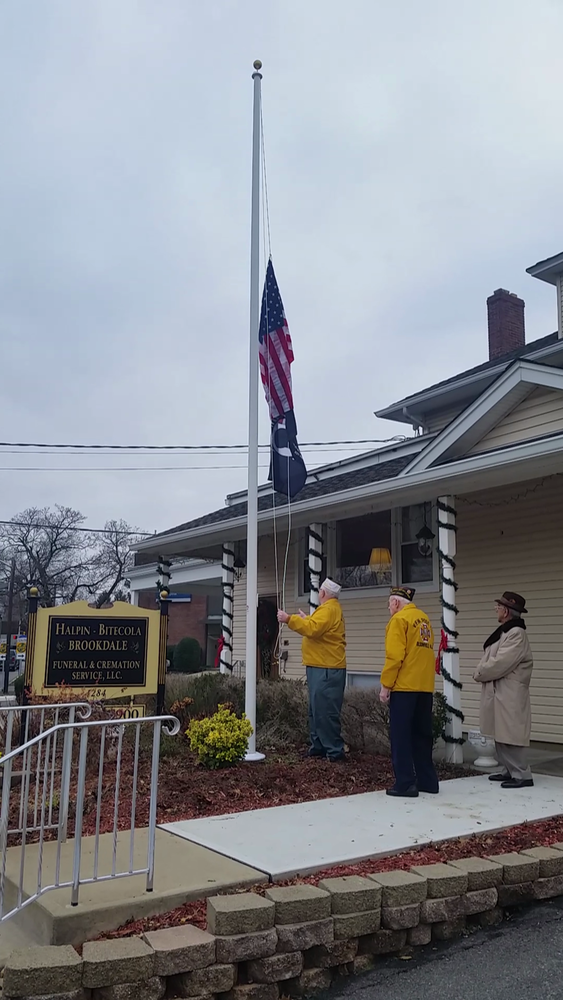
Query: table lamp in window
point(380, 560)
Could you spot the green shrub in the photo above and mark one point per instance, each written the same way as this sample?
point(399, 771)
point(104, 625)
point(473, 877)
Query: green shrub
point(187, 656)
point(19, 685)
point(207, 692)
point(282, 715)
point(170, 656)
point(440, 717)
point(282, 710)
point(220, 740)
point(365, 721)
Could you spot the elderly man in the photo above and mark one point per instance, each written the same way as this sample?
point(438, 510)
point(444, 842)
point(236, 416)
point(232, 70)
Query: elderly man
point(324, 656)
point(504, 672)
point(407, 684)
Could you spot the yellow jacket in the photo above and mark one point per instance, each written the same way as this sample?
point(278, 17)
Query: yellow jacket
point(409, 653)
point(324, 636)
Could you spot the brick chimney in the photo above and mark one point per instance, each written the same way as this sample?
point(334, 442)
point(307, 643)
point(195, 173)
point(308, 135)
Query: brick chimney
point(506, 323)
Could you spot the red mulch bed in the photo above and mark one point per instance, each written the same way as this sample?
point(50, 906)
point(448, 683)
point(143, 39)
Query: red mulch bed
point(187, 791)
point(516, 838)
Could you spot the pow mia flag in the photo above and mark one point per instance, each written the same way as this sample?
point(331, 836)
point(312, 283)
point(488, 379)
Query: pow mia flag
point(287, 468)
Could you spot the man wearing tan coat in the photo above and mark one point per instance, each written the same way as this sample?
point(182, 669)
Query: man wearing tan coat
point(504, 673)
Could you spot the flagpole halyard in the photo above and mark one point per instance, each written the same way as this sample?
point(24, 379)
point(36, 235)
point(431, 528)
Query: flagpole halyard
point(253, 376)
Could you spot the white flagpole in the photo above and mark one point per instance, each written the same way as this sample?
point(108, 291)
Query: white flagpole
point(252, 525)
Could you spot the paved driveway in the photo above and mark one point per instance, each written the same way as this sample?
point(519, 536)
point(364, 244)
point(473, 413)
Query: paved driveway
point(520, 960)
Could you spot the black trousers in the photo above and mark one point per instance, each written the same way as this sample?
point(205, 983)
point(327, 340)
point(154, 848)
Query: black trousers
point(410, 714)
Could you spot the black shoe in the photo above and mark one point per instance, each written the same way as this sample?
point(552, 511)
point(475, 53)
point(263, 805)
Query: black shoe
point(411, 793)
point(339, 759)
point(429, 791)
point(499, 777)
point(518, 783)
point(316, 754)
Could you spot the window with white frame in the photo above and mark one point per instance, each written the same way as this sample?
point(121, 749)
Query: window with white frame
point(364, 551)
point(362, 680)
point(417, 544)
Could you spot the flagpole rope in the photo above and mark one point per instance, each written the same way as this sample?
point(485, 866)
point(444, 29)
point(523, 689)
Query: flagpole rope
point(265, 184)
point(267, 241)
point(267, 250)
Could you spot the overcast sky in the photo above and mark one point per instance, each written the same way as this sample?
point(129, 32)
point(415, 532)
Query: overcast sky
point(414, 156)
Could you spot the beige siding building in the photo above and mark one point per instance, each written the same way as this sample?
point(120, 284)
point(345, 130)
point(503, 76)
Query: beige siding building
point(468, 507)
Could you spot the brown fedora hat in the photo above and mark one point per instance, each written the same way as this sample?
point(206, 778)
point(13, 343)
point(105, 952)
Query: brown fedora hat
point(515, 602)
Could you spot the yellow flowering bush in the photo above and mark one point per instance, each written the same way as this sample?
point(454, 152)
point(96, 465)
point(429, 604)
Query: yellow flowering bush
point(220, 740)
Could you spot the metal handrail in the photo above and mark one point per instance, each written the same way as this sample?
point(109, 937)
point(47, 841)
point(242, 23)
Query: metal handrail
point(27, 714)
point(44, 746)
point(81, 708)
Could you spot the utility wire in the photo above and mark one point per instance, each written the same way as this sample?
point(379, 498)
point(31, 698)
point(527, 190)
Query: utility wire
point(124, 468)
point(194, 447)
point(89, 531)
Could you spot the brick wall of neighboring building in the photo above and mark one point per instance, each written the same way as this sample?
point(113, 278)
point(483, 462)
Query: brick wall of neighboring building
point(184, 619)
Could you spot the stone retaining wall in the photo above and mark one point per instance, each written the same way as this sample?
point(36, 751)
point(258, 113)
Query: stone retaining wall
point(295, 940)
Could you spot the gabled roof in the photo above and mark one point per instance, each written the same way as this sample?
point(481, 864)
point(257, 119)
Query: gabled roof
point(484, 413)
point(470, 382)
point(548, 270)
point(324, 487)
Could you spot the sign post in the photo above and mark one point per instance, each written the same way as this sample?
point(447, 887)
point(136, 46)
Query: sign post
point(164, 608)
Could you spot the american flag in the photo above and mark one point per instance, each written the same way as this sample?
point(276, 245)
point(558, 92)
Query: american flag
point(276, 353)
point(287, 468)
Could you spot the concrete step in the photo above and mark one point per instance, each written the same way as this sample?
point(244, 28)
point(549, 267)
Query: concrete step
point(183, 871)
point(12, 938)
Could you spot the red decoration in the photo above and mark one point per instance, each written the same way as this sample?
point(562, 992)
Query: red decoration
point(441, 649)
point(220, 645)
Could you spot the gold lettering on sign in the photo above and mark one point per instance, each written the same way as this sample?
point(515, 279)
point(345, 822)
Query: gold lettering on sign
point(119, 629)
point(102, 645)
point(61, 628)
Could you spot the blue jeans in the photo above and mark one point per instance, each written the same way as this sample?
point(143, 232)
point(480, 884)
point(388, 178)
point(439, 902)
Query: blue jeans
point(410, 717)
point(326, 694)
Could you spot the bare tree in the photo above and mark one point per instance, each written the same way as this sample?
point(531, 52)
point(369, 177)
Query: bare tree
point(54, 552)
point(114, 559)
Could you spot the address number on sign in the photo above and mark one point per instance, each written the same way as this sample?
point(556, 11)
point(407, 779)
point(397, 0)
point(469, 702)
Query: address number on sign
point(128, 711)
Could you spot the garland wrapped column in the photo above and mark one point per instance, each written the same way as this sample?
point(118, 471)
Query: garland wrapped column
point(450, 653)
point(228, 587)
point(315, 557)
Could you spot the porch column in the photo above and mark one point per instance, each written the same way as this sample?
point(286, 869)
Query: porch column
point(228, 588)
point(315, 556)
point(450, 658)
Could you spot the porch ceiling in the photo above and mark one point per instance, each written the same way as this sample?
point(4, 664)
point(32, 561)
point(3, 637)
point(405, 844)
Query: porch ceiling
point(516, 464)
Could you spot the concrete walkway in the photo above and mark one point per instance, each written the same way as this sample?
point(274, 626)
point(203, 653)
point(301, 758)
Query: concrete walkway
point(300, 839)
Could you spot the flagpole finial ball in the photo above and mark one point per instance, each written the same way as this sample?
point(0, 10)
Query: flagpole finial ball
point(257, 64)
point(33, 592)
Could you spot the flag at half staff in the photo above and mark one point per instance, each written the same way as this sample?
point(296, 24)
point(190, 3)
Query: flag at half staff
point(287, 468)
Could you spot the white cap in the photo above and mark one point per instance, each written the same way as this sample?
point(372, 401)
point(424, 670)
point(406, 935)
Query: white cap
point(331, 587)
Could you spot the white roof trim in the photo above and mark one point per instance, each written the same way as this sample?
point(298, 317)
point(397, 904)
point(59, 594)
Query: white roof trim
point(453, 385)
point(485, 413)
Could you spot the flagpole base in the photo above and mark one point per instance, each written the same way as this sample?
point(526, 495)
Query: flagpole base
point(254, 757)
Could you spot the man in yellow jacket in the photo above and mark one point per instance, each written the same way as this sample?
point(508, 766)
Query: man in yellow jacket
point(407, 684)
point(324, 656)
